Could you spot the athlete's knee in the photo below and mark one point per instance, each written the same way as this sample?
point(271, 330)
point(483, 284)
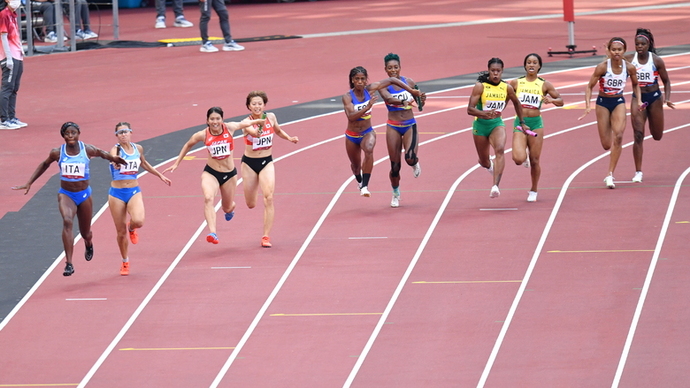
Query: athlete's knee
point(395, 169)
point(639, 137)
point(136, 223)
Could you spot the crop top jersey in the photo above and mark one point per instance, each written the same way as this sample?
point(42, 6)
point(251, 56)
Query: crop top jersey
point(219, 146)
point(530, 94)
point(493, 96)
point(129, 170)
point(613, 84)
point(647, 73)
point(74, 168)
point(265, 139)
point(359, 105)
point(400, 94)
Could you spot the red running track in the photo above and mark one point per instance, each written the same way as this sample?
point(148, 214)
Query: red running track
point(451, 289)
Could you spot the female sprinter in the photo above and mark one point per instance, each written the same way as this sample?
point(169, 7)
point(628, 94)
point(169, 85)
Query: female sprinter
point(487, 101)
point(125, 194)
point(532, 91)
point(611, 75)
point(401, 130)
point(257, 162)
point(74, 196)
point(360, 136)
point(650, 67)
point(220, 172)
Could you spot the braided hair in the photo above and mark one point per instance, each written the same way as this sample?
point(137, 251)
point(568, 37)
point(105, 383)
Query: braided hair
point(354, 72)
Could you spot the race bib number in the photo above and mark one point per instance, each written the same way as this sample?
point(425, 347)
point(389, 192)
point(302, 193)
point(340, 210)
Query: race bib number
point(530, 100)
point(73, 170)
point(220, 150)
point(496, 105)
point(131, 167)
point(262, 142)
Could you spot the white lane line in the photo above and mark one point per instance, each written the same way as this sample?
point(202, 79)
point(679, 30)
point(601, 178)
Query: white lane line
point(535, 258)
point(492, 21)
point(648, 280)
point(81, 299)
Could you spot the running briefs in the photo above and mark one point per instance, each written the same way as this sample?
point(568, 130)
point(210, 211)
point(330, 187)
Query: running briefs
point(483, 127)
point(221, 177)
point(650, 97)
point(532, 122)
point(257, 164)
point(77, 196)
point(124, 194)
point(356, 137)
point(610, 103)
point(402, 126)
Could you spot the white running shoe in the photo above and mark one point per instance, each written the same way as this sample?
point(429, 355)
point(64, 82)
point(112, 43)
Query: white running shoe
point(364, 192)
point(416, 170)
point(638, 177)
point(395, 202)
point(608, 181)
point(532, 196)
point(208, 48)
point(160, 22)
point(495, 192)
point(180, 21)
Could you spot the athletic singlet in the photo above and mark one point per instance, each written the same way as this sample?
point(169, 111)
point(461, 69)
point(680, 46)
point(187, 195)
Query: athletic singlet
point(399, 94)
point(647, 73)
point(129, 170)
point(265, 139)
point(74, 168)
point(493, 97)
point(613, 84)
point(529, 93)
point(219, 146)
point(359, 105)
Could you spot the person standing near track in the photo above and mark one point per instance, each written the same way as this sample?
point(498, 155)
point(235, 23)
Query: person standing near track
point(258, 170)
point(125, 195)
point(650, 67)
point(220, 172)
point(74, 196)
point(612, 75)
point(401, 128)
point(360, 136)
point(487, 101)
point(532, 91)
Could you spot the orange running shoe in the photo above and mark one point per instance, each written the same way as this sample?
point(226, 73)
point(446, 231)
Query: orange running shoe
point(212, 238)
point(133, 236)
point(266, 242)
point(124, 269)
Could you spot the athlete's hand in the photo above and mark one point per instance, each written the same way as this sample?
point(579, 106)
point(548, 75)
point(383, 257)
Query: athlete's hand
point(547, 99)
point(670, 105)
point(491, 114)
point(587, 110)
point(22, 187)
point(166, 180)
point(171, 168)
point(293, 139)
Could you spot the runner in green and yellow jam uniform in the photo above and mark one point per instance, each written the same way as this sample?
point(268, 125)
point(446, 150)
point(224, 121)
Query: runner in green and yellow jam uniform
point(487, 101)
point(532, 91)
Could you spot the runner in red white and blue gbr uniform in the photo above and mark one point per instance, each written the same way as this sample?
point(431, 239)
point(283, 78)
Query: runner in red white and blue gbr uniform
point(650, 68)
point(611, 76)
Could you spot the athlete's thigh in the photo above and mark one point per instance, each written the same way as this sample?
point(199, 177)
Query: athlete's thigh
point(394, 144)
point(118, 210)
point(267, 179)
